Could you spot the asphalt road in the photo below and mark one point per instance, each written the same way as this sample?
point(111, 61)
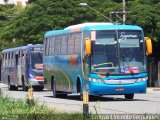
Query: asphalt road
point(143, 103)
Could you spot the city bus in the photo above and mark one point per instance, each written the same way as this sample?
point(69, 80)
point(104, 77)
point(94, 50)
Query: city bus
point(23, 67)
point(100, 58)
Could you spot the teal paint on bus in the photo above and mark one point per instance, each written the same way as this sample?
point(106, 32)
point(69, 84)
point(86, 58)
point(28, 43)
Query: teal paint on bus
point(108, 70)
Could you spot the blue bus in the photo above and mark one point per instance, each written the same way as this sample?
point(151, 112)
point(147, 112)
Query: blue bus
point(23, 66)
point(101, 58)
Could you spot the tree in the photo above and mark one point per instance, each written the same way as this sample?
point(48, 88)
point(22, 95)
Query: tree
point(146, 15)
point(30, 24)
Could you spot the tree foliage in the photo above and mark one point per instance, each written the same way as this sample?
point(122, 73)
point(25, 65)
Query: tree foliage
point(30, 24)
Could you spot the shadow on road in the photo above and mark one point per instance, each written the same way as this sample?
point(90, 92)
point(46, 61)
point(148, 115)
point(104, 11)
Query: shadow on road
point(97, 98)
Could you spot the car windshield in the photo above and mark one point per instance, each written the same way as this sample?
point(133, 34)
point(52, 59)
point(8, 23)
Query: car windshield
point(111, 50)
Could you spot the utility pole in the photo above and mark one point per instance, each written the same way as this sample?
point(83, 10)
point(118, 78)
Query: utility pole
point(124, 11)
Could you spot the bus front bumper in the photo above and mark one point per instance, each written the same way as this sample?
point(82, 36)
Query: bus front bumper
point(116, 89)
point(35, 82)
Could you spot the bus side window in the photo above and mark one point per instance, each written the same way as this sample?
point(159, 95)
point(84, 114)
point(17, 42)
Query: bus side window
point(71, 44)
point(3, 59)
point(12, 59)
point(47, 47)
point(23, 58)
point(20, 58)
point(9, 60)
point(52, 46)
point(26, 61)
point(57, 45)
point(77, 43)
point(16, 59)
point(6, 59)
point(64, 45)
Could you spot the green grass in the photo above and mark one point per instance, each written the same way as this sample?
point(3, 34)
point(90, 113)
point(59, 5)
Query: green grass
point(19, 110)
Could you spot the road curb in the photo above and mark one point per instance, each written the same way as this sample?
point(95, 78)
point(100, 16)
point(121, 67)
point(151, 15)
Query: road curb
point(156, 89)
point(1, 92)
point(153, 89)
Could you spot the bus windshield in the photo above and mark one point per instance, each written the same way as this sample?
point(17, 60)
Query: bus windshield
point(36, 60)
point(118, 52)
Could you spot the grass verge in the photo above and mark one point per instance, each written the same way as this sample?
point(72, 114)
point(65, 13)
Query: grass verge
point(19, 110)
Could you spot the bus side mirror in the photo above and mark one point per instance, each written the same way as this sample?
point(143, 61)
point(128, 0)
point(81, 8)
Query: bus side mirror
point(148, 45)
point(88, 46)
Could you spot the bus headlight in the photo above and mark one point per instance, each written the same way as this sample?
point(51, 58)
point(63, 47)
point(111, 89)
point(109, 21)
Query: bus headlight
point(142, 79)
point(146, 78)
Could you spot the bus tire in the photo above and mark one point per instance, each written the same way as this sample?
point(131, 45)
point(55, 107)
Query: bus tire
point(38, 88)
point(9, 83)
point(11, 87)
point(81, 93)
point(63, 95)
point(79, 89)
point(129, 96)
point(53, 87)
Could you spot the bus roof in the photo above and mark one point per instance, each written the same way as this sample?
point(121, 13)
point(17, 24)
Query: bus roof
point(92, 26)
point(22, 47)
point(87, 25)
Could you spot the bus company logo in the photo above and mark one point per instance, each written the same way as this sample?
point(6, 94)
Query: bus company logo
point(72, 60)
point(124, 36)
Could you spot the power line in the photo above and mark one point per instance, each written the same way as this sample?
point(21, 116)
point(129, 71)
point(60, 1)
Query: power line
point(123, 12)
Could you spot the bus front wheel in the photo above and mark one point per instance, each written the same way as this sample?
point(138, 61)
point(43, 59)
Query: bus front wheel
point(38, 88)
point(79, 89)
point(54, 88)
point(129, 96)
point(24, 87)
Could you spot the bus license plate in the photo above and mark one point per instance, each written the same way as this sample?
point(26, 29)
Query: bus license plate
point(119, 89)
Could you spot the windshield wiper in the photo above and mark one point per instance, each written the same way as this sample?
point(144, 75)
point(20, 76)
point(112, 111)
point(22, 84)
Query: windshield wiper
point(103, 71)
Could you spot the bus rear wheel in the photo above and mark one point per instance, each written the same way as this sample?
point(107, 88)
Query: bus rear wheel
point(11, 87)
point(54, 88)
point(129, 96)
